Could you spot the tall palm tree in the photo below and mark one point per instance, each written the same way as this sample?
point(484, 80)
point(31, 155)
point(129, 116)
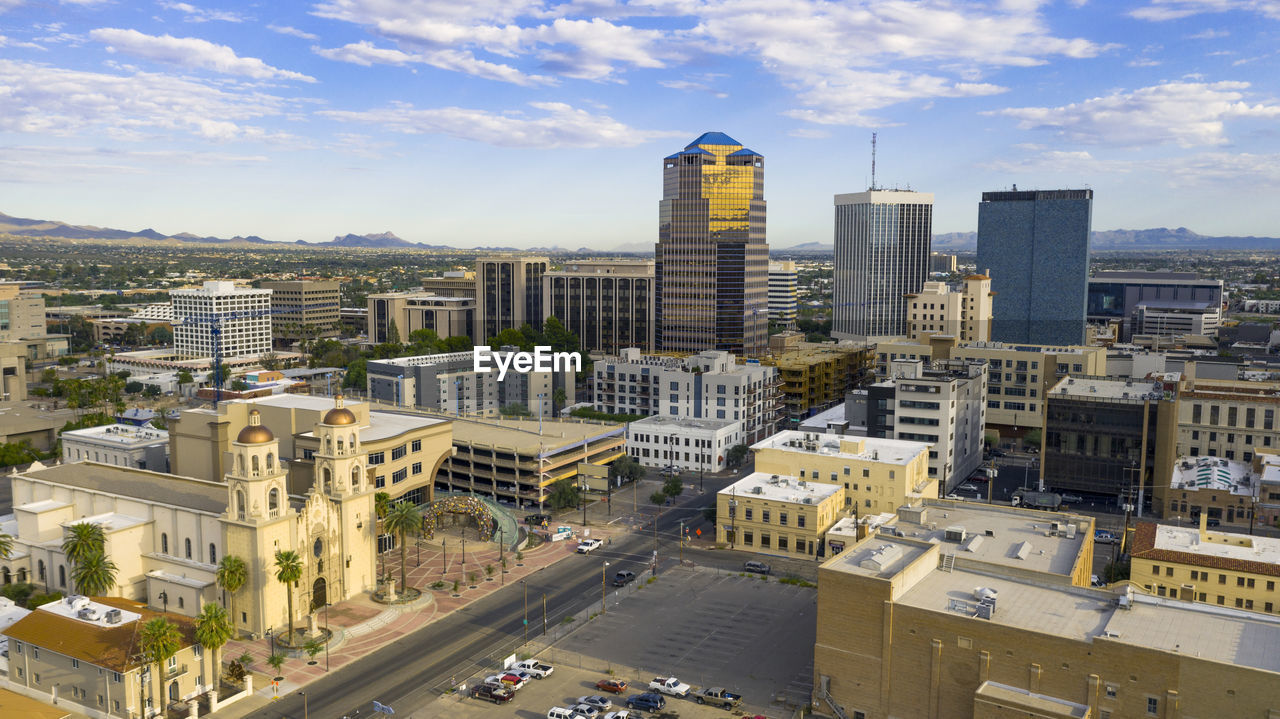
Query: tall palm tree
point(288, 571)
point(159, 639)
point(94, 575)
point(381, 505)
point(213, 629)
point(232, 575)
point(6, 545)
point(83, 540)
point(402, 520)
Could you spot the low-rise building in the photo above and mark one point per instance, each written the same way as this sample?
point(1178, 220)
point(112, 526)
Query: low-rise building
point(1201, 565)
point(448, 382)
point(778, 515)
point(121, 445)
point(878, 475)
point(700, 445)
point(87, 654)
point(1223, 490)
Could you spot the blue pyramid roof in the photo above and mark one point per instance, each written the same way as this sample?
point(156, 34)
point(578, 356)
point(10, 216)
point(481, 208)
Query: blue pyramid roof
point(713, 138)
point(691, 150)
point(745, 151)
point(672, 157)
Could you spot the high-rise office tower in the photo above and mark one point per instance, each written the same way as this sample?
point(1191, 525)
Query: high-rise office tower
point(782, 292)
point(882, 254)
point(508, 294)
point(712, 263)
point(239, 316)
point(1036, 245)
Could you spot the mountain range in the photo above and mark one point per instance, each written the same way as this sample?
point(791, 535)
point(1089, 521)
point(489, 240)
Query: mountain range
point(1160, 238)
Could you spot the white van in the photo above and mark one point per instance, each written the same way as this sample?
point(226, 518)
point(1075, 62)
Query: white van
point(563, 713)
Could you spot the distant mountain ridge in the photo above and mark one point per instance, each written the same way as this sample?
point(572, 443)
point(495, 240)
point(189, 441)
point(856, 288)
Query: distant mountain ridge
point(25, 227)
point(1159, 238)
point(376, 240)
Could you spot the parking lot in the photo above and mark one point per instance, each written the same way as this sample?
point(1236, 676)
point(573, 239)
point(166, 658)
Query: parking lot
point(707, 627)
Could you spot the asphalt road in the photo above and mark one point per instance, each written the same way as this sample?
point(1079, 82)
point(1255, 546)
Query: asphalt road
point(404, 672)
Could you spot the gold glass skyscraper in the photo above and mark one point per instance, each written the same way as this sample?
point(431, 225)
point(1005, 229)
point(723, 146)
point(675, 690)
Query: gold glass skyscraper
point(712, 269)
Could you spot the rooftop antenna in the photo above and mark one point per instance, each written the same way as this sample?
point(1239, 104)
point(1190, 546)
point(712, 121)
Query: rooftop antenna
point(873, 161)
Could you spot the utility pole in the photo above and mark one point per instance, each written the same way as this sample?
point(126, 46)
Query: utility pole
point(544, 614)
point(733, 516)
point(526, 611)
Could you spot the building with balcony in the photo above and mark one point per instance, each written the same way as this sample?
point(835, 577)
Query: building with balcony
point(707, 385)
point(697, 445)
point(782, 292)
point(815, 376)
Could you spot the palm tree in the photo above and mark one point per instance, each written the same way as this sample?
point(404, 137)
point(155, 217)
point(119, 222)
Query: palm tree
point(381, 505)
point(232, 575)
point(213, 629)
point(159, 639)
point(288, 571)
point(83, 540)
point(6, 545)
point(402, 520)
point(94, 575)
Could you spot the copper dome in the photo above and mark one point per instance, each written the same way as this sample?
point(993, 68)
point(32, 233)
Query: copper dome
point(255, 433)
point(339, 415)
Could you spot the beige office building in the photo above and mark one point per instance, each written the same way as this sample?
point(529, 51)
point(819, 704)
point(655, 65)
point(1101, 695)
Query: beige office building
point(1198, 564)
point(455, 283)
point(607, 304)
point(411, 311)
point(778, 515)
point(962, 312)
point(508, 294)
point(303, 310)
point(1232, 419)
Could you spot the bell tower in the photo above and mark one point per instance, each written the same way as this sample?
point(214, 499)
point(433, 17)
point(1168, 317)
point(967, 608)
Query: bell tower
point(340, 462)
point(256, 483)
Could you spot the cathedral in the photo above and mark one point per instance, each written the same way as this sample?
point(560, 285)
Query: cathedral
point(167, 533)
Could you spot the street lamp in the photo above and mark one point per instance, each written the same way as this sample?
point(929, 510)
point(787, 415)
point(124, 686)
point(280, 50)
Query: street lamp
point(304, 705)
point(604, 604)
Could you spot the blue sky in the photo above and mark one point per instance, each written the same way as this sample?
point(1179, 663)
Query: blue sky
point(529, 123)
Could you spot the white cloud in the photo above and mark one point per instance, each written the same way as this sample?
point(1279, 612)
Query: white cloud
point(1202, 169)
point(557, 125)
point(45, 100)
point(62, 164)
point(190, 52)
point(848, 97)
point(10, 42)
point(693, 86)
point(364, 53)
point(289, 30)
point(1181, 113)
point(1209, 34)
point(196, 14)
point(1160, 10)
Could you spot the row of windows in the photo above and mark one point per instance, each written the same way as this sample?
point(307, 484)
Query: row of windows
point(1233, 416)
point(1197, 575)
point(784, 543)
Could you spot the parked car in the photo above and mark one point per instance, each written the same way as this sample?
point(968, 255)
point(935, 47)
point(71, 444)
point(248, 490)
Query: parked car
point(718, 697)
point(648, 701)
point(620, 714)
point(511, 679)
point(563, 713)
point(669, 685)
point(587, 710)
point(537, 520)
point(998, 453)
point(623, 578)
point(492, 692)
point(535, 668)
point(752, 565)
point(669, 472)
point(1072, 498)
point(588, 545)
point(1105, 536)
point(615, 686)
point(968, 487)
point(597, 701)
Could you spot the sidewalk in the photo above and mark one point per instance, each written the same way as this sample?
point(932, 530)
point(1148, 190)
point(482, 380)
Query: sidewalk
point(361, 625)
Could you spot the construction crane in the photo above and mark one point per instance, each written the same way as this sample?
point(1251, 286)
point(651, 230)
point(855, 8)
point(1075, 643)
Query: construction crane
point(215, 331)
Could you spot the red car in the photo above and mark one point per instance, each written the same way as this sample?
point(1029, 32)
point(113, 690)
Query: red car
point(616, 686)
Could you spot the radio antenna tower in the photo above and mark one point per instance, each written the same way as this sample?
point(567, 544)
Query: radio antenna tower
point(873, 161)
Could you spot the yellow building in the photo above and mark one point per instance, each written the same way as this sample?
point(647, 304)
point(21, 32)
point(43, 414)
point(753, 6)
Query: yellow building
point(963, 313)
point(815, 376)
point(1196, 564)
point(877, 475)
point(405, 451)
point(1227, 418)
point(778, 515)
point(908, 626)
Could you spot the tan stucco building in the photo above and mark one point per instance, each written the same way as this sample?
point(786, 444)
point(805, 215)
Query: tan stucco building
point(1201, 565)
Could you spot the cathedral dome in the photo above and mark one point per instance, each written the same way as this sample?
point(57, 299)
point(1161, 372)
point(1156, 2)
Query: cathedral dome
point(255, 433)
point(339, 415)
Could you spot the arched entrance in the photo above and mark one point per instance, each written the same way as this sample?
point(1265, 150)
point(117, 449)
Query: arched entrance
point(173, 692)
point(472, 508)
point(319, 594)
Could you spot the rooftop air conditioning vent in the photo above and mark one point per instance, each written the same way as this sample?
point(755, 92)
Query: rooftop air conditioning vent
point(113, 616)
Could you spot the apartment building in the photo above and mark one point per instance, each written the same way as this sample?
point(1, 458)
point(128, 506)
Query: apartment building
point(449, 383)
point(407, 312)
point(710, 385)
point(963, 312)
point(782, 292)
point(242, 316)
point(508, 294)
point(942, 404)
point(815, 376)
point(778, 515)
point(86, 655)
point(698, 445)
point(1198, 564)
point(121, 445)
point(304, 309)
point(1228, 418)
point(878, 475)
point(609, 305)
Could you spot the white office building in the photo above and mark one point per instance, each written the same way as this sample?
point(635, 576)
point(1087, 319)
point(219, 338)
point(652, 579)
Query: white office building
point(241, 314)
point(707, 385)
point(448, 382)
point(120, 445)
point(782, 291)
point(687, 444)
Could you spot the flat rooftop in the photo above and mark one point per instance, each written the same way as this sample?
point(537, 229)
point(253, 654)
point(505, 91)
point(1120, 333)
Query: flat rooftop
point(20, 418)
point(867, 449)
point(1105, 388)
point(125, 435)
point(524, 436)
point(1187, 539)
point(781, 488)
point(170, 489)
point(1214, 474)
point(880, 557)
point(664, 422)
point(1000, 535)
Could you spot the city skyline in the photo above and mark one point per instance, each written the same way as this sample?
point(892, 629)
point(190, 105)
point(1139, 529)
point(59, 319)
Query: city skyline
point(310, 121)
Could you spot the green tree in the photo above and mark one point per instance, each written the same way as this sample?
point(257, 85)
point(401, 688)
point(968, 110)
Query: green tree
point(83, 540)
point(627, 468)
point(49, 375)
point(457, 343)
point(512, 337)
point(134, 387)
point(402, 520)
point(356, 375)
point(159, 639)
point(94, 575)
point(276, 661)
point(288, 571)
point(270, 361)
point(558, 398)
point(565, 493)
point(232, 575)
point(560, 339)
point(184, 379)
point(393, 333)
point(239, 385)
point(161, 335)
point(736, 455)
point(213, 630)
point(6, 545)
point(672, 487)
point(515, 409)
point(659, 498)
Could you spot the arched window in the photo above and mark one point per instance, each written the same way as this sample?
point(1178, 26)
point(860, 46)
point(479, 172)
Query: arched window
point(254, 463)
point(240, 464)
point(273, 499)
point(62, 575)
point(164, 543)
point(355, 478)
point(271, 462)
point(240, 504)
point(40, 569)
point(328, 445)
point(213, 553)
point(8, 579)
point(341, 448)
point(187, 546)
point(326, 480)
point(353, 442)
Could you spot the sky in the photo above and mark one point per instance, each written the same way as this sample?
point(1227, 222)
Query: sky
point(527, 123)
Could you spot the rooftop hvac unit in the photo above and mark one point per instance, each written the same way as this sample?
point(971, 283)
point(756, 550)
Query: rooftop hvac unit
point(808, 500)
point(757, 490)
point(113, 616)
point(953, 534)
point(984, 611)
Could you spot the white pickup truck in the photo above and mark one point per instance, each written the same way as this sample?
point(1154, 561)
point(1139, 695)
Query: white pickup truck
point(669, 686)
point(535, 667)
